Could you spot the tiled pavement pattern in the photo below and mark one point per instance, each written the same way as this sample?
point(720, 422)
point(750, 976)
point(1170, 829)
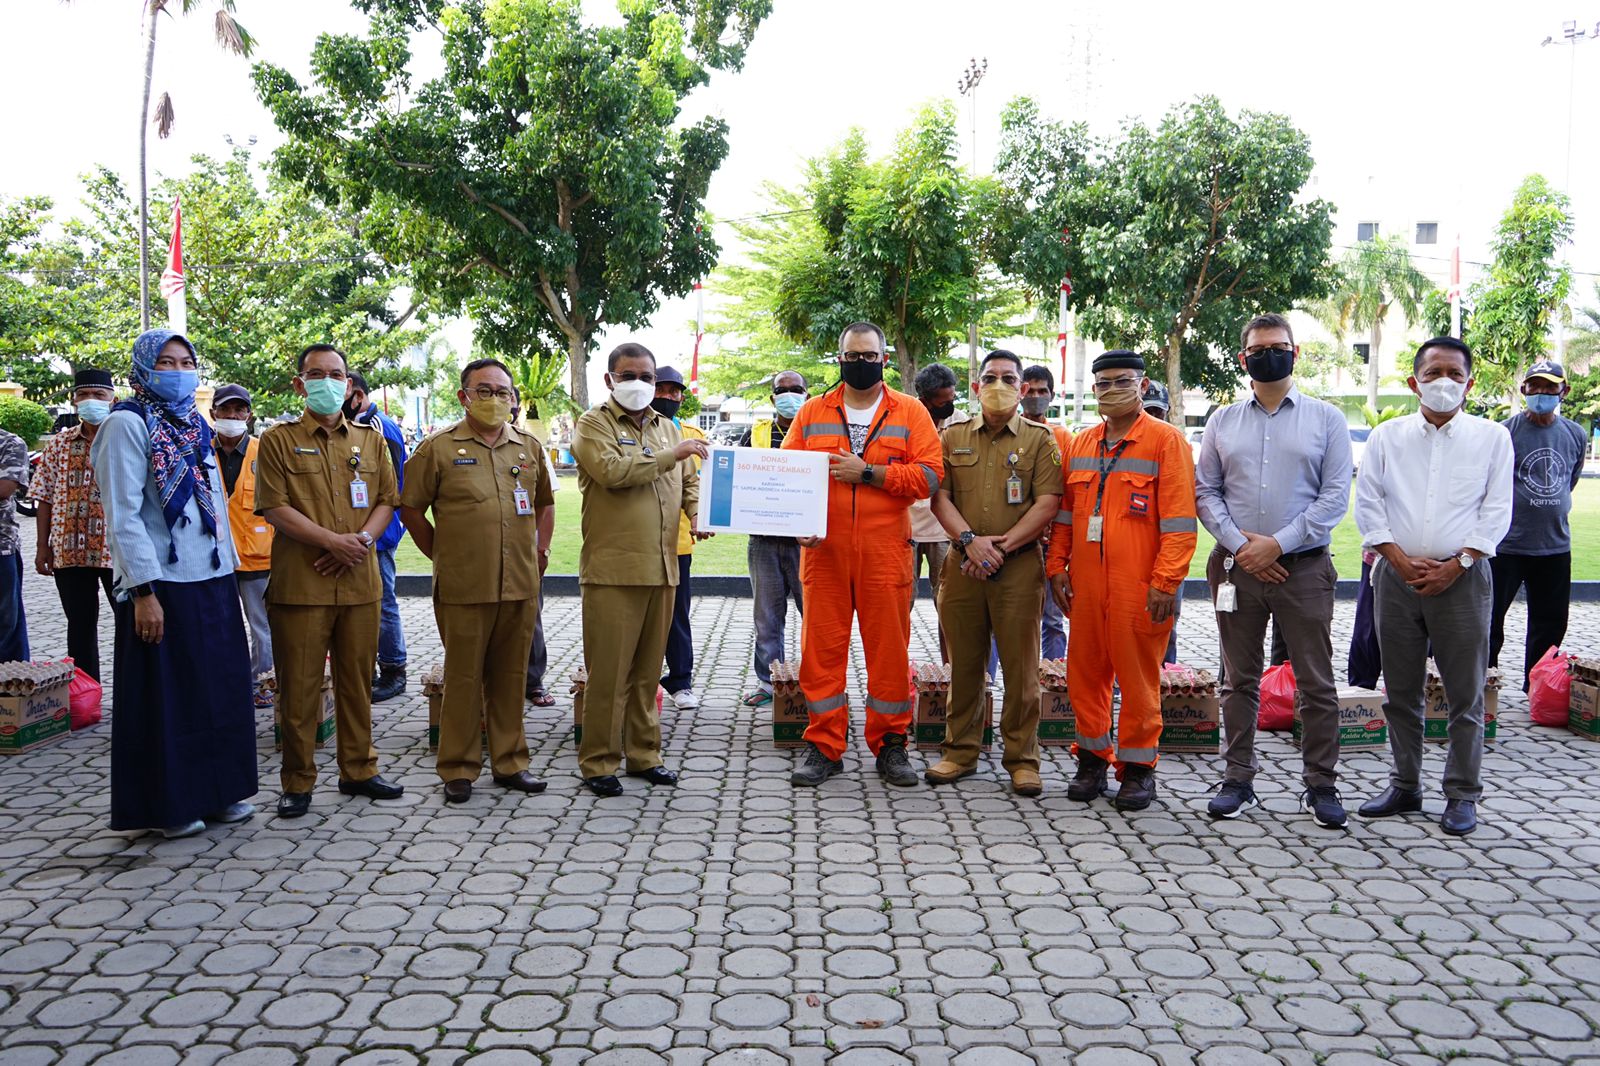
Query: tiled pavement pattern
point(738, 920)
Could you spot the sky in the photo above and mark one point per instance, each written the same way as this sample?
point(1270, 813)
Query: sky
point(1415, 110)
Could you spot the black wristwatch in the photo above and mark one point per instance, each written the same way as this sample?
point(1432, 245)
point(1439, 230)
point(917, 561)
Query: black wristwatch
point(866, 474)
point(139, 592)
point(965, 539)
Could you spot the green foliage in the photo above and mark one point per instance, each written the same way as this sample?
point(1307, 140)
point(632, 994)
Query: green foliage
point(538, 381)
point(1367, 281)
point(1376, 418)
point(1320, 361)
point(1582, 404)
point(1513, 306)
point(542, 183)
point(24, 418)
point(1583, 342)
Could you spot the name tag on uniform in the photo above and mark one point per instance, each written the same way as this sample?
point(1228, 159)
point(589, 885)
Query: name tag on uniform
point(1097, 525)
point(520, 496)
point(306, 451)
point(1013, 489)
point(960, 451)
point(626, 440)
point(358, 493)
point(466, 462)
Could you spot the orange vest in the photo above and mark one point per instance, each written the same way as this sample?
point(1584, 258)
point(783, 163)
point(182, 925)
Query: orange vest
point(252, 535)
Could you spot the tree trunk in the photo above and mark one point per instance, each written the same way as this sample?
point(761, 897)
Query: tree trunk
point(1373, 366)
point(905, 357)
point(1175, 378)
point(144, 187)
point(578, 356)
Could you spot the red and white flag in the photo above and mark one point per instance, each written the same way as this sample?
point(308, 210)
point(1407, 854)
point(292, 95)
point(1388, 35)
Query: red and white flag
point(172, 280)
point(1455, 289)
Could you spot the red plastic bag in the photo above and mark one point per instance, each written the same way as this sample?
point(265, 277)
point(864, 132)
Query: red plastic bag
point(1549, 689)
point(83, 700)
point(1277, 698)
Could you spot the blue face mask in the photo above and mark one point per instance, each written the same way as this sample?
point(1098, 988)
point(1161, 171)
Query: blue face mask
point(788, 404)
point(94, 412)
point(174, 386)
point(1543, 403)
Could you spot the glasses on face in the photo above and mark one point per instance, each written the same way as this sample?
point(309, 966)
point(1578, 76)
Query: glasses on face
point(860, 357)
point(1267, 349)
point(1105, 384)
point(318, 375)
point(999, 379)
point(485, 392)
point(798, 389)
point(628, 375)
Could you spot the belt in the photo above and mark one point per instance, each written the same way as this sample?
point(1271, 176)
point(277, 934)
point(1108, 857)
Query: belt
point(1309, 553)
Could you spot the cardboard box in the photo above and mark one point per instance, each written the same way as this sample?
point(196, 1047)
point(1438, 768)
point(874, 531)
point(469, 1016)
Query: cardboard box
point(35, 715)
point(325, 719)
point(1436, 715)
point(789, 714)
point(433, 689)
point(1583, 715)
point(1191, 723)
point(580, 681)
point(1362, 726)
point(1058, 726)
point(932, 708)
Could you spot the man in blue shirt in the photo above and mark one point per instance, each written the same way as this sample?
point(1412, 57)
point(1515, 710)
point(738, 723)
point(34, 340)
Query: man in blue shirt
point(1548, 452)
point(391, 679)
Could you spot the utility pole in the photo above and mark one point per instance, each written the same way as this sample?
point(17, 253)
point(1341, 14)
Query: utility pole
point(968, 87)
point(1572, 36)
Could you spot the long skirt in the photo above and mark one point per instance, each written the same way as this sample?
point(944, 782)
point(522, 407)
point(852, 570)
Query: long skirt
point(183, 737)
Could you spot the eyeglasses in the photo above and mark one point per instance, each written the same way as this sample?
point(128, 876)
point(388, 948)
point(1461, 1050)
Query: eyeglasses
point(801, 389)
point(1267, 349)
point(484, 392)
point(860, 357)
point(1103, 384)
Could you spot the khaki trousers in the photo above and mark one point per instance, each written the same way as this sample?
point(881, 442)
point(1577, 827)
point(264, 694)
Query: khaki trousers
point(625, 631)
point(305, 639)
point(485, 667)
point(1008, 608)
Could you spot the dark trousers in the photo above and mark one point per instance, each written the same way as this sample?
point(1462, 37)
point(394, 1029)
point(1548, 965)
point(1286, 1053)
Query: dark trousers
point(680, 641)
point(13, 621)
point(1366, 658)
point(538, 657)
point(79, 588)
point(1548, 579)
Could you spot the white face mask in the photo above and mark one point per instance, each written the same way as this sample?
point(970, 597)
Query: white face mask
point(231, 427)
point(634, 395)
point(1442, 395)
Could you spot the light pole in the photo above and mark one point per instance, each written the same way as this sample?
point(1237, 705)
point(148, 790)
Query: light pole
point(968, 87)
point(1572, 36)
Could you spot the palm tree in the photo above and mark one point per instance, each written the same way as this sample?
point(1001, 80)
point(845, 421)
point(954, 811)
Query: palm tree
point(230, 35)
point(1372, 277)
point(1583, 343)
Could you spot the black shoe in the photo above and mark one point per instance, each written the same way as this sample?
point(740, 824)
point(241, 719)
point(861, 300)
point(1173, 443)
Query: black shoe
point(656, 775)
point(1460, 817)
point(815, 768)
point(1090, 781)
point(1233, 798)
point(1323, 803)
point(293, 804)
point(605, 787)
point(390, 682)
point(1390, 802)
point(893, 765)
point(1138, 788)
point(374, 787)
point(521, 781)
point(457, 791)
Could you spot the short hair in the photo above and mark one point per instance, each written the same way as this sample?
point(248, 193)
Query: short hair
point(933, 377)
point(1267, 321)
point(1442, 342)
point(1040, 372)
point(796, 373)
point(863, 327)
point(481, 364)
point(311, 349)
point(629, 350)
point(997, 355)
point(358, 382)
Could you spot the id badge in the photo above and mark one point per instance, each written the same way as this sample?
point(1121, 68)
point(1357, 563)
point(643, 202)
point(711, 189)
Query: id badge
point(1013, 489)
point(358, 494)
point(1227, 598)
point(1097, 524)
point(524, 505)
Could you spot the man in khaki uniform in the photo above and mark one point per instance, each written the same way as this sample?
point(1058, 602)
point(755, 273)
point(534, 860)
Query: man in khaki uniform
point(1002, 487)
point(488, 489)
point(635, 482)
point(328, 488)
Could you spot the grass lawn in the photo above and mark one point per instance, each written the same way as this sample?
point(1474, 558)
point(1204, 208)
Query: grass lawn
point(726, 554)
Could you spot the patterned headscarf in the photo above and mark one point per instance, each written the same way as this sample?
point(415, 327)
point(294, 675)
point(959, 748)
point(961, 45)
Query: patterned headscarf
point(180, 441)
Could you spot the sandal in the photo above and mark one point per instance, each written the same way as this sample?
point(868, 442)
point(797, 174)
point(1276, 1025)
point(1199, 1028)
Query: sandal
point(541, 698)
point(759, 698)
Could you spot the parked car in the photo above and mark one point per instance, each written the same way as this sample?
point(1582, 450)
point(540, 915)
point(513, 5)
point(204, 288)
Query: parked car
point(726, 434)
point(1358, 444)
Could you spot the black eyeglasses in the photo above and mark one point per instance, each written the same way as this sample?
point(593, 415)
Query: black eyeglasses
point(1267, 349)
point(801, 389)
point(860, 357)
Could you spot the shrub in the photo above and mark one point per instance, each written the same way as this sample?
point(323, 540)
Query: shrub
point(24, 418)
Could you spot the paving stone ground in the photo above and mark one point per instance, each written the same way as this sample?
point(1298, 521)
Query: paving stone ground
point(737, 920)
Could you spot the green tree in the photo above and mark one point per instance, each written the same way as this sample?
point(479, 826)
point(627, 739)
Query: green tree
point(543, 182)
point(538, 381)
point(1513, 308)
point(1368, 281)
point(1583, 344)
point(1174, 236)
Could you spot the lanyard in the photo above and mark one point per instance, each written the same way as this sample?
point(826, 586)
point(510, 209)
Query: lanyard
point(1105, 468)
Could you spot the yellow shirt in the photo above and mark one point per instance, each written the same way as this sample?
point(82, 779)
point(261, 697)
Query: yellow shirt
point(685, 540)
point(979, 462)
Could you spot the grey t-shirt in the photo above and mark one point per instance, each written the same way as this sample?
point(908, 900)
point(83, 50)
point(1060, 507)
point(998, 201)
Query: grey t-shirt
point(1548, 461)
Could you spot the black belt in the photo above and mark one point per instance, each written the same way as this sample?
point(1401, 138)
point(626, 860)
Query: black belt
point(1289, 557)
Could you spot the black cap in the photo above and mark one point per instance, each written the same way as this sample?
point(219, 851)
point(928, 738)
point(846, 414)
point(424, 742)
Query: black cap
point(1155, 395)
point(667, 375)
point(231, 392)
point(89, 378)
point(1118, 359)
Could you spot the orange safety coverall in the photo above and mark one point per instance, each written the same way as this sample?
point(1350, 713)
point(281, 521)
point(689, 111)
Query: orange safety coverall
point(863, 566)
point(1147, 540)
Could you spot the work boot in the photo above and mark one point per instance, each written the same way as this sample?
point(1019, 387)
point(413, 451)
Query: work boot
point(390, 682)
point(1138, 788)
point(893, 766)
point(815, 768)
point(1090, 781)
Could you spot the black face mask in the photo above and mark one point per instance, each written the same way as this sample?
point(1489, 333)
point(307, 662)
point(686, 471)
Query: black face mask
point(860, 374)
point(351, 410)
point(666, 407)
point(943, 411)
point(1274, 364)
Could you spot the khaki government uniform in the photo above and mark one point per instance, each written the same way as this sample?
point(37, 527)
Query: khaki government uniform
point(978, 461)
point(633, 491)
point(485, 586)
point(318, 621)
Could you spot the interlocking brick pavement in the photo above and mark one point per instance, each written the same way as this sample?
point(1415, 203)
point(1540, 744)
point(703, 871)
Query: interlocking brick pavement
point(736, 919)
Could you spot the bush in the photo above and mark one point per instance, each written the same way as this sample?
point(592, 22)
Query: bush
point(24, 418)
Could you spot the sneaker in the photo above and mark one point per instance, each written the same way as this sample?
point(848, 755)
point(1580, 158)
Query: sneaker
point(1090, 781)
point(815, 768)
point(1323, 803)
point(893, 766)
point(1138, 789)
point(233, 812)
point(188, 829)
point(1233, 798)
point(685, 700)
point(390, 682)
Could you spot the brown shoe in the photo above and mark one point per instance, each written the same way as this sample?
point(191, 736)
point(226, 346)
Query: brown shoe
point(1026, 782)
point(521, 781)
point(457, 791)
point(944, 772)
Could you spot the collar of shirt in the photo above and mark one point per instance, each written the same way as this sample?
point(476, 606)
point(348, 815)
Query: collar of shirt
point(611, 404)
point(342, 429)
point(224, 448)
point(1012, 425)
point(1141, 423)
point(835, 398)
point(1292, 398)
point(508, 434)
point(1426, 428)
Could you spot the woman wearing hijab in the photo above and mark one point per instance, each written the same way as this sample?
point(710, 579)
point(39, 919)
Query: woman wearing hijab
point(183, 728)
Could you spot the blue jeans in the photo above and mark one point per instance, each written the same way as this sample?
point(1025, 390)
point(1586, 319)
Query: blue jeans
point(391, 637)
point(13, 622)
point(680, 638)
point(774, 580)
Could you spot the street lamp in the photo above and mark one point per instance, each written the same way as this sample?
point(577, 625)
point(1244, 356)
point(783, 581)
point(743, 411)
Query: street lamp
point(967, 85)
point(1571, 36)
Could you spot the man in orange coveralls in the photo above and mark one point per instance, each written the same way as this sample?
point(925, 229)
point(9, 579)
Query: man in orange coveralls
point(883, 452)
point(1129, 518)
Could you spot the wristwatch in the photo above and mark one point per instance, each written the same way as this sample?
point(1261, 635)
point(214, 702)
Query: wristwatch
point(965, 539)
point(866, 474)
point(366, 538)
point(1466, 559)
point(139, 592)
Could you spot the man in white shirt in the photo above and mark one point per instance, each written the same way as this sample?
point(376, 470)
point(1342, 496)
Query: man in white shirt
point(1433, 500)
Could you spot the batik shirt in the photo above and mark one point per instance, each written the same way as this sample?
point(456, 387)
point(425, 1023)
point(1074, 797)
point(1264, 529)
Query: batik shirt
point(66, 482)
